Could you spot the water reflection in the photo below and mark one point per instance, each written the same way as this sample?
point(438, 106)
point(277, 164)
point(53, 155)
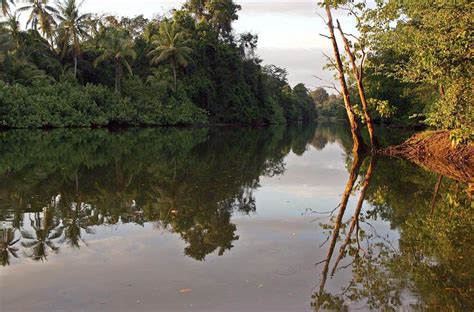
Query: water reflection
point(429, 267)
point(57, 186)
point(400, 238)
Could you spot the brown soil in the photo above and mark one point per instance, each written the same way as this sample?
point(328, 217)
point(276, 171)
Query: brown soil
point(433, 151)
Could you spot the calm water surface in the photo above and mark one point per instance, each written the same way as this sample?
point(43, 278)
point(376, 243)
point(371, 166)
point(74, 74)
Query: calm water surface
point(226, 220)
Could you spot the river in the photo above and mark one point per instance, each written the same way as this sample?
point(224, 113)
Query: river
point(226, 219)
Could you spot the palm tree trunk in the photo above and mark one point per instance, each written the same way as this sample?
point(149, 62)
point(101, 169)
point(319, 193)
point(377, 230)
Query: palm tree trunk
point(174, 75)
point(359, 145)
point(117, 76)
point(75, 66)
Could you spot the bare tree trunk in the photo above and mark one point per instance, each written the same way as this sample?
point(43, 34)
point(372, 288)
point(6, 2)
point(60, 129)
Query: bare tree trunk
point(359, 145)
point(358, 74)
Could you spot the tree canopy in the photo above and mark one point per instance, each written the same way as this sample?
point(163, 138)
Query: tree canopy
point(72, 68)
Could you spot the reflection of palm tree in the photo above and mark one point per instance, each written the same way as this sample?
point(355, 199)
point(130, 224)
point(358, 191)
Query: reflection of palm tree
point(76, 221)
point(7, 246)
point(45, 232)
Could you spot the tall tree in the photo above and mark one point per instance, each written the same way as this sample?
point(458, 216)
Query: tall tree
point(41, 15)
point(173, 47)
point(355, 129)
point(72, 28)
point(13, 26)
point(434, 41)
point(221, 15)
point(117, 46)
point(358, 72)
point(320, 95)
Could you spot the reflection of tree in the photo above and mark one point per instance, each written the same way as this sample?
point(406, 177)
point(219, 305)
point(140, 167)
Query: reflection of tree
point(188, 181)
point(322, 298)
point(330, 133)
point(7, 246)
point(46, 230)
point(436, 237)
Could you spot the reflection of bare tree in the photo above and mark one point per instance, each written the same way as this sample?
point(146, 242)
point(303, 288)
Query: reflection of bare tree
point(354, 171)
point(355, 218)
point(435, 194)
point(427, 265)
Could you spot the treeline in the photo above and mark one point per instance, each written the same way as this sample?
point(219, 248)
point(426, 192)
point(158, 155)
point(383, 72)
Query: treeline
point(70, 68)
point(410, 63)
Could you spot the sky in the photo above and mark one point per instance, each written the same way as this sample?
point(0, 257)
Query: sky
point(288, 31)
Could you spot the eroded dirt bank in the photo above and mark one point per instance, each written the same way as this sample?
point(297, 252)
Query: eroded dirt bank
point(433, 151)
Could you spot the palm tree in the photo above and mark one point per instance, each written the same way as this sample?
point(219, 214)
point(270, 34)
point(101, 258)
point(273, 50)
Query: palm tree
point(6, 44)
point(41, 14)
point(12, 26)
point(7, 246)
point(73, 27)
point(6, 6)
point(117, 45)
point(172, 47)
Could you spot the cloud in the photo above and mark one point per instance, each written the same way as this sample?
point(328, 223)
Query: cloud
point(301, 8)
point(302, 64)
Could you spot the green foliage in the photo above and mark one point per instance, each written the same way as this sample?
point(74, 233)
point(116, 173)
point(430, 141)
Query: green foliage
point(382, 107)
point(432, 47)
point(67, 104)
point(184, 68)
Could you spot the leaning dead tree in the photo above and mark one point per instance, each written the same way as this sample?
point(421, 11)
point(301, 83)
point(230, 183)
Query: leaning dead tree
point(358, 72)
point(359, 145)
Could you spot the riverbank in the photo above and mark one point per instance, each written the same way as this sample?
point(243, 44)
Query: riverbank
point(433, 150)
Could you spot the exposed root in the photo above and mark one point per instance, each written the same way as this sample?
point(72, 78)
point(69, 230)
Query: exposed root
point(433, 151)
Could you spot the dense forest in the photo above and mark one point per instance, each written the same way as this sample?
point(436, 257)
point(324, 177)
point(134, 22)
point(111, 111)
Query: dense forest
point(70, 68)
point(409, 62)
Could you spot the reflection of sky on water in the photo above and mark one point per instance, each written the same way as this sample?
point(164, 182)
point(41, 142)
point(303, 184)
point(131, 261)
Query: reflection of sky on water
point(312, 181)
point(127, 267)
